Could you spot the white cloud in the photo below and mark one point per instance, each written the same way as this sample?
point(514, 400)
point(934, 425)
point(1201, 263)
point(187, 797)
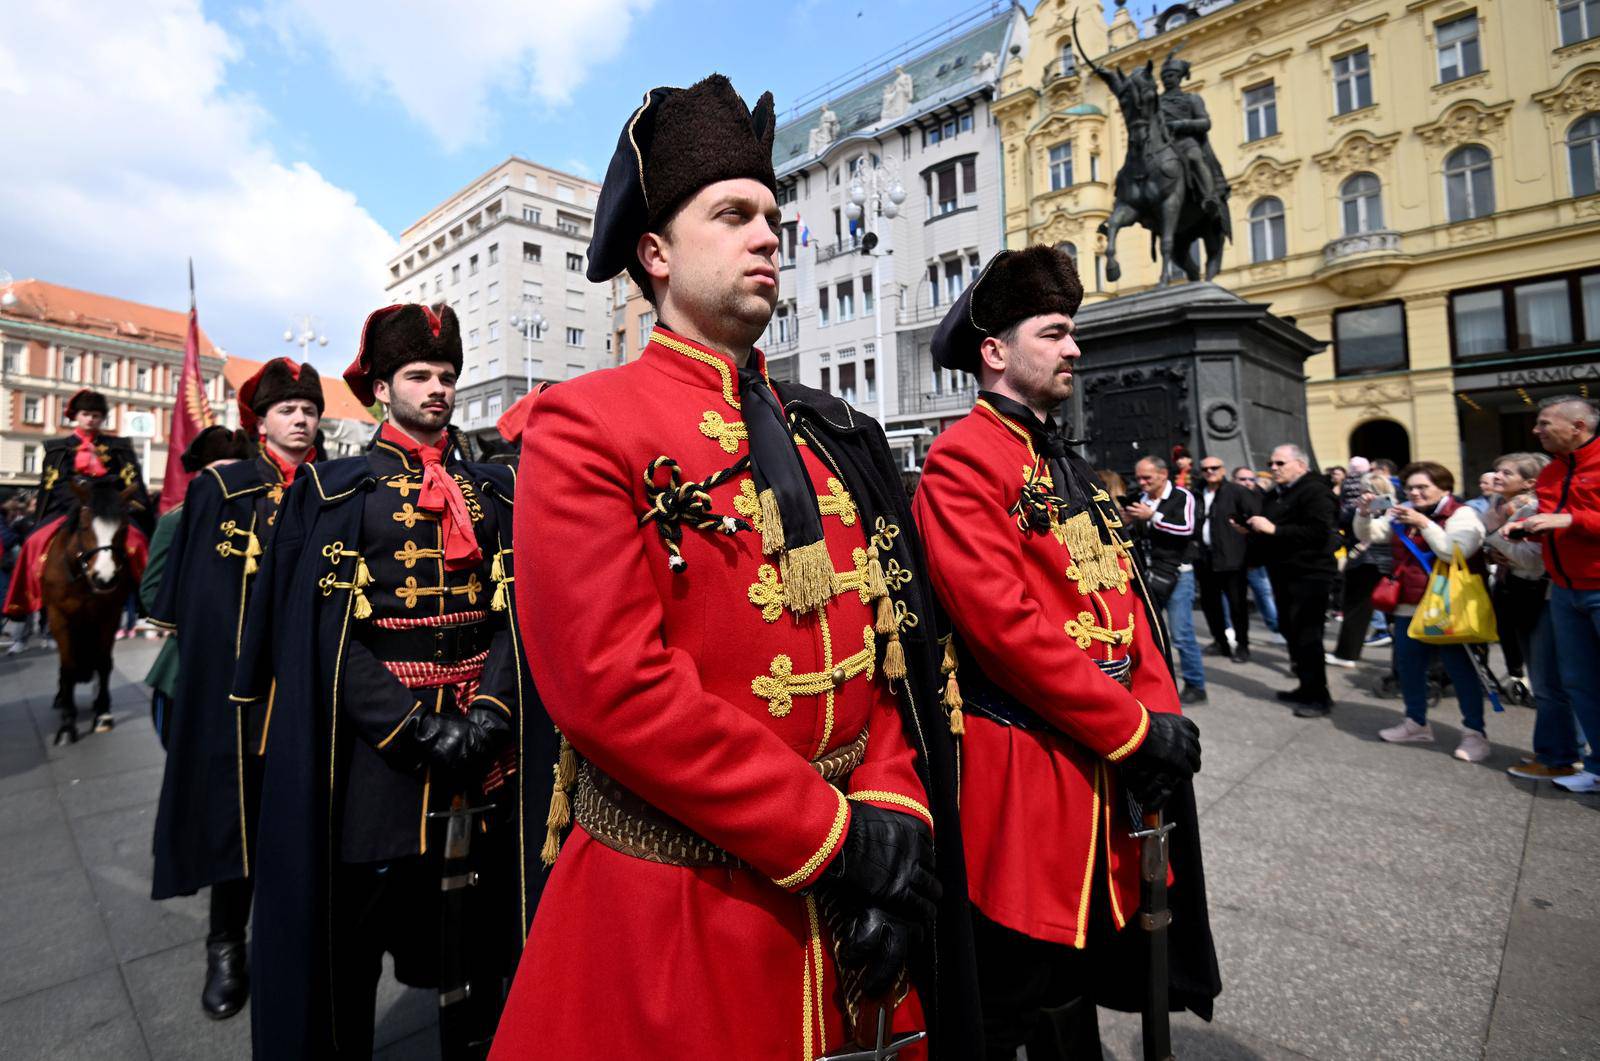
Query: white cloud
point(132, 156)
point(444, 63)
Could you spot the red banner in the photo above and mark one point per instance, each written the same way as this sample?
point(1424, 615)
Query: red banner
point(191, 413)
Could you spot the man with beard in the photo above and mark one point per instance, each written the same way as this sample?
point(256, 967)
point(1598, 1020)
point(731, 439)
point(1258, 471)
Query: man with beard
point(381, 654)
point(1069, 715)
point(735, 643)
point(211, 789)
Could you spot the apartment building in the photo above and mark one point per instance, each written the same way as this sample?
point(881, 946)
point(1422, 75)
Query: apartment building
point(890, 188)
point(508, 253)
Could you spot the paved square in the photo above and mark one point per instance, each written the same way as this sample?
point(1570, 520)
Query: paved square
point(1368, 900)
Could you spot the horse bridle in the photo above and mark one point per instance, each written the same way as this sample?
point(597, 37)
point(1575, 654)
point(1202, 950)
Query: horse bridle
point(80, 565)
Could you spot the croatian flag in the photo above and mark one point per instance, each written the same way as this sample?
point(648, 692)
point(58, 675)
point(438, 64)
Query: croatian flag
point(805, 233)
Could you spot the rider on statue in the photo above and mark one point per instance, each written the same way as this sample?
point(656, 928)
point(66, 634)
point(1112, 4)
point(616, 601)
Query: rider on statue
point(1188, 123)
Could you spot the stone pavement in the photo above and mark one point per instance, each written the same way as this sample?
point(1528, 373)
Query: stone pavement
point(1368, 900)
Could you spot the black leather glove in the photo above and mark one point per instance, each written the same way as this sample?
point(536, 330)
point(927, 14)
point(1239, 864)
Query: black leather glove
point(1169, 756)
point(887, 859)
point(878, 944)
point(458, 743)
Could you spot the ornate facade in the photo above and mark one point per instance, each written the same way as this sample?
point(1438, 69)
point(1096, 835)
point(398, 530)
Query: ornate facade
point(1413, 181)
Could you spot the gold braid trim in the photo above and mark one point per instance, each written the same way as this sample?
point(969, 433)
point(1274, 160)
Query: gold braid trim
point(897, 800)
point(1137, 738)
point(780, 685)
point(816, 860)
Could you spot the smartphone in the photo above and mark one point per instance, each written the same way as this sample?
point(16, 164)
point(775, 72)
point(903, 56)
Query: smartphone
point(1379, 505)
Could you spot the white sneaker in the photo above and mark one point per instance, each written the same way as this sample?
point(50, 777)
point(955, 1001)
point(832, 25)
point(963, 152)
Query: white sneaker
point(1474, 747)
point(1582, 781)
point(1338, 661)
point(1407, 732)
point(17, 648)
point(1233, 640)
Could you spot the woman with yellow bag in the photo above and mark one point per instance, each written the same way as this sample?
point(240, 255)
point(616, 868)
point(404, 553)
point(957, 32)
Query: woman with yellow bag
point(1432, 525)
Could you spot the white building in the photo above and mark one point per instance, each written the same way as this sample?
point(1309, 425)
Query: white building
point(860, 299)
point(508, 253)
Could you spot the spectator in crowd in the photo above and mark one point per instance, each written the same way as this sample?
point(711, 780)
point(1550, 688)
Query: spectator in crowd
point(1365, 565)
point(1434, 524)
point(1113, 483)
point(1336, 478)
point(1388, 468)
point(1488, 493)
point(1256, 573)
point(1298, 535)
point(19, 518)
point(1568, 526)
point(1524, 620)
point(1353, 483)
point(1182, 468)
point(1163, 522)
point(1220, 565)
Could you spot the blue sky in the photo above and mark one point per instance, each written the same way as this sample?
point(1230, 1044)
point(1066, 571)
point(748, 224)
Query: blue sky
point(284, 144)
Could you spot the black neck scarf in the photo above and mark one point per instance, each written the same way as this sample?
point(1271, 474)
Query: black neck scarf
point(791, 523)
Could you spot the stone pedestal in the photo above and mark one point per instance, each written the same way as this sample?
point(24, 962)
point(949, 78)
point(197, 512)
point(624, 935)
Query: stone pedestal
point(1192, 365)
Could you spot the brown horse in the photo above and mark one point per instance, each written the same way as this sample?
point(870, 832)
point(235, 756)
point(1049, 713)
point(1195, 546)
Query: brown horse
point(86, 580)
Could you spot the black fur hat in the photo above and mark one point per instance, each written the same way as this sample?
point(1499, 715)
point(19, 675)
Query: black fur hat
point(279, 380)
point(216, 443)
point(678, 141)
point(1014, 286)
point(87, 401)
point(395, 336)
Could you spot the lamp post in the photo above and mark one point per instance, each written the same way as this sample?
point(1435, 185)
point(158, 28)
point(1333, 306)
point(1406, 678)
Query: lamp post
point(307, 331)
point(530, 322)
point(875, 191)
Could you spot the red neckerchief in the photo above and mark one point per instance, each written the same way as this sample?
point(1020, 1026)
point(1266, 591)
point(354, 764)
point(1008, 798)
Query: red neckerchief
point(286, 471)
point(87, 461)
point(441, 494)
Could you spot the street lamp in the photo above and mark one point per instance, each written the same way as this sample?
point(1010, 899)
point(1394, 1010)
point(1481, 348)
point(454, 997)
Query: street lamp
point(530, 322)
point(875, 186)
point(308, 331)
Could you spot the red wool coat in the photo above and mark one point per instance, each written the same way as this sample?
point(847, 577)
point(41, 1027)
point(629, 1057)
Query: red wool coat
point(1036, 806)
point(702, 693)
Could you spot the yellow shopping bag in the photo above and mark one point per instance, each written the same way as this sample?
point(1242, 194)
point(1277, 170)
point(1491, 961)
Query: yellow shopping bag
point(1455, 610)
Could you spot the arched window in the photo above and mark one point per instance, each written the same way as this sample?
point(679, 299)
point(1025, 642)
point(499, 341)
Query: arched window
point(1069, 61)
point(1468, 184)
point(1070, 247)
point(1267, 240)
point(1361, 200)
point(1583, 154)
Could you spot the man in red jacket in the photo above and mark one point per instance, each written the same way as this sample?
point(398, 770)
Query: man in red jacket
point(1568, 523)
point(725, 607)
point(1069, 709)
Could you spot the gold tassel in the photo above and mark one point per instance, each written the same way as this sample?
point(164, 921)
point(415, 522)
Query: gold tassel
point(771, 523)
point(363, 576)
point(885, 622)
point(894, 659)
point(807, 576)
point(362, 580)
point(560, 816)
point(958, 722)
point(952, 688)
point(497, 570)
point(876, 586)
point(948, 666)
point(497, 574)
point(363, 608)
point(498, 602)
point(251, 551)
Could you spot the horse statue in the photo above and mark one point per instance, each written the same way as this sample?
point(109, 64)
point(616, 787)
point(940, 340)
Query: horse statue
point(86, 581)
point(1153, 186)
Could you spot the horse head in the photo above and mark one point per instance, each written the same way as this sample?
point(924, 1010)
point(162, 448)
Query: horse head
point(98, 552)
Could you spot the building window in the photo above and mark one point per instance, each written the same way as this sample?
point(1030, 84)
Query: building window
point(108, 372)
point(1352, 82)
point(826, 376)
point(1361, 201)
point(869, 377)
point(1267, 236)
point(1369, 339)
point(491, 405)
point(847, 382)
point(1589, 297)
point(32, 410)
point(472, 339)
point(574, 336)
point(933, 284)
point(530, 214)
point(1069, 248)
point(472, 265)
point(491, 368)
point(141, 378)
point(1261, 111)
point(574, 262)
point(1457, 41)
point(494, 253)
point(953, 280)
point(494, 331)
point(973, 270)
point(455, 277)
point(822, 307)
point(1544, 317)
point(867, 302)
point(566, 194)
point(788, 324)
point(647, 324)
point(30, 460)
point(951, 186)
point(1468, 183)
point(12, 353)
point(1583, 154)
point(1478, 322)
point(531, 252)
point(1061, 166)
point(1069, 61)
point(493, 294)
point(846, 294)
point(474, 410)
point(472, 300)
point(1580, 20)
point(69, 367)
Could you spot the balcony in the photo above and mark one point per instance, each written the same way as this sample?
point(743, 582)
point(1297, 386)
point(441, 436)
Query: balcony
point(1364, 264)
point(833, 250)
point(919, 315)
point(781, 346)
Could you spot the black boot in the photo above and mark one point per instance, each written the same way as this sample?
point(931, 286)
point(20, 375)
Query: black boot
point(227, 980)
point(1067, 1033)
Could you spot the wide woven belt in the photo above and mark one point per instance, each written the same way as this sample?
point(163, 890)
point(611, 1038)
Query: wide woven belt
point(428, 644)
point(983, 698)
point(623, 822)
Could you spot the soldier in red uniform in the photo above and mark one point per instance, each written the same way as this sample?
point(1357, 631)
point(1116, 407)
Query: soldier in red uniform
point(1068, 707)
point(727, 618)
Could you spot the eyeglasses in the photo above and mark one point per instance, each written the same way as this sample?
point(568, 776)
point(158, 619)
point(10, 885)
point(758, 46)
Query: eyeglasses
point(1418, 488)
point(1276, 464)
point(1211, 467)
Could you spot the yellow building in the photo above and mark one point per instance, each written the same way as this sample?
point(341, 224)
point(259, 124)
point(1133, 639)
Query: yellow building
point(1413, 180)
